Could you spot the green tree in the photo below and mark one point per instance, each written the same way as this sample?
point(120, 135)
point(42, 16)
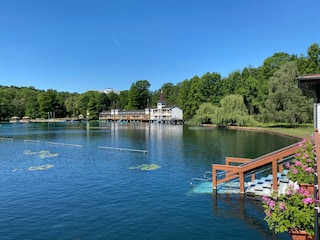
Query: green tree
point(195, 97)
point(138, 95)
point(286, 102)
point(49, 104)
point(273, 63)
point(92, 102)
point(205, 114)
point(311, 63)
point(71, 106)
point(183, 96)
point(233, 112)
point(32, 106)
point(123, 99)
point(113, 100)
point(209, 87)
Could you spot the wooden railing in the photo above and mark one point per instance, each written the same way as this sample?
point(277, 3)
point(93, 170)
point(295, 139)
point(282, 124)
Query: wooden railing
point(248, 166)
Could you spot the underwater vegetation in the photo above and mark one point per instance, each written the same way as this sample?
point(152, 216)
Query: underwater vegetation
point(146, 167)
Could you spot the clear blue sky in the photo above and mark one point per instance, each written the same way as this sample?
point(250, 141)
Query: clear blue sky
point(81, 45)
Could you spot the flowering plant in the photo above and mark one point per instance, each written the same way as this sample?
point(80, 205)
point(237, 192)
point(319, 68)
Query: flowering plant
point(291, 211)
point(301, 170)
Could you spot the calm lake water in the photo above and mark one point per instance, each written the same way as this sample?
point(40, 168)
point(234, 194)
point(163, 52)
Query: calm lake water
point(80, 191)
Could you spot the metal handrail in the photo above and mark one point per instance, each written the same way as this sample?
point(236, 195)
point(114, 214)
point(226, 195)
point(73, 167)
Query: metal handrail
point(206, 173)
point(199, 179)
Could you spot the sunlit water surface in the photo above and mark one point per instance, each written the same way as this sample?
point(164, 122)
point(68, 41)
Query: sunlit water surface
point(74, 189)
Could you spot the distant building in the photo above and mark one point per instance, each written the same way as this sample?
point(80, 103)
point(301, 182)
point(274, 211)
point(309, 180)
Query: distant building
point(109, 90)
point(14, 119)
point(161, 113)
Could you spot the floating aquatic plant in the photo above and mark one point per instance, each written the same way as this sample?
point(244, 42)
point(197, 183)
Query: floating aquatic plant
point(146, 167)
point(40, 168)
point(29, 152)
point(42, 154)
point(17, 169)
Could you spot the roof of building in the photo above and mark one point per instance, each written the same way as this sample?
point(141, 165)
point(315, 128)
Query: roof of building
point(311, 84)
point(310, 77)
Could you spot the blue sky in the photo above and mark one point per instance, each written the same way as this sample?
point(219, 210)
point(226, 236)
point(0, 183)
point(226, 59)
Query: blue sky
point(81, 45)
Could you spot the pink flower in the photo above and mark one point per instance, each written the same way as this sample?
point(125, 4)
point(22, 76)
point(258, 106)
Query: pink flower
point(297, 163)
point(309, 170)
point(287, 165)
point(294, 171)
point(307, 200)
point(301, 191)
point(272, 204)
point(268, 213)
point(265, 198)
point(282, 206)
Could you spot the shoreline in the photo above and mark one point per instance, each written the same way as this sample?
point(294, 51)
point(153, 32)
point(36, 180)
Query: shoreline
point(280, 131)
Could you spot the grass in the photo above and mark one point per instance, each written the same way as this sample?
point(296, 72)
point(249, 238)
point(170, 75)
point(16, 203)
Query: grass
point(299, 131)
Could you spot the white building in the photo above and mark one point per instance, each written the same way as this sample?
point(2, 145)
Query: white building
point(161, 113)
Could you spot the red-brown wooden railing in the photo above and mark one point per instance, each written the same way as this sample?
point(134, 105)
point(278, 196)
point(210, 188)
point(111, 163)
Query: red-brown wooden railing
point(249, 166)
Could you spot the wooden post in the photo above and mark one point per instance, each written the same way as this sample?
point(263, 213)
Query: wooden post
point(281, 167)
point(241, 180)
point(214, 178)
point(274, 175)
point(253, 175)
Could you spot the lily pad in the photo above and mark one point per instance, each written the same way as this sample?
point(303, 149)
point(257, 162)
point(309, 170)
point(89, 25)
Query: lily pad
point(29, 152)
point(40, 168)
point(42, 154)
point(146, 167)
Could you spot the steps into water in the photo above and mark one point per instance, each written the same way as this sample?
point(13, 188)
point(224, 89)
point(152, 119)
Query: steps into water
point(259, 187)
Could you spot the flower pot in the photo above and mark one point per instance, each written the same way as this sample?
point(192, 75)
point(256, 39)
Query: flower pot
point(300, 235)
point(308, 187)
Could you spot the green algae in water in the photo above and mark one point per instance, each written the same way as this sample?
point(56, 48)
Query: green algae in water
point(29, 152)
point(41, 167)
point(42, 154)
point(146, 167)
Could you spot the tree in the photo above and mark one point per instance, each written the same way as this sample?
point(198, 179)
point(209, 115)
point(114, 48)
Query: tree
point(208, 87)
point(286, 102)
point(273, 63)
point(195, 97)
point(32, 106)
point(233, 112)
point(103, 100)
point(170, 92)
point(133, 98)
point(49, 104)
point(123, 99)
point(205, 114)
point(183, 96)
point(138, 95)
point(71, 106)
point(311, 63)
point(112, 99)
point(92, 102)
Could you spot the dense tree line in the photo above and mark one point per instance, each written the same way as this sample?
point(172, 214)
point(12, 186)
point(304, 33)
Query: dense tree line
point(267, 93)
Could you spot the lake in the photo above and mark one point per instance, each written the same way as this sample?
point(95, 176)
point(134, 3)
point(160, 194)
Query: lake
point(81, 181)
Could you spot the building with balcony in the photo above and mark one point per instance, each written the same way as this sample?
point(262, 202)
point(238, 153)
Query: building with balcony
point(162, 113)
